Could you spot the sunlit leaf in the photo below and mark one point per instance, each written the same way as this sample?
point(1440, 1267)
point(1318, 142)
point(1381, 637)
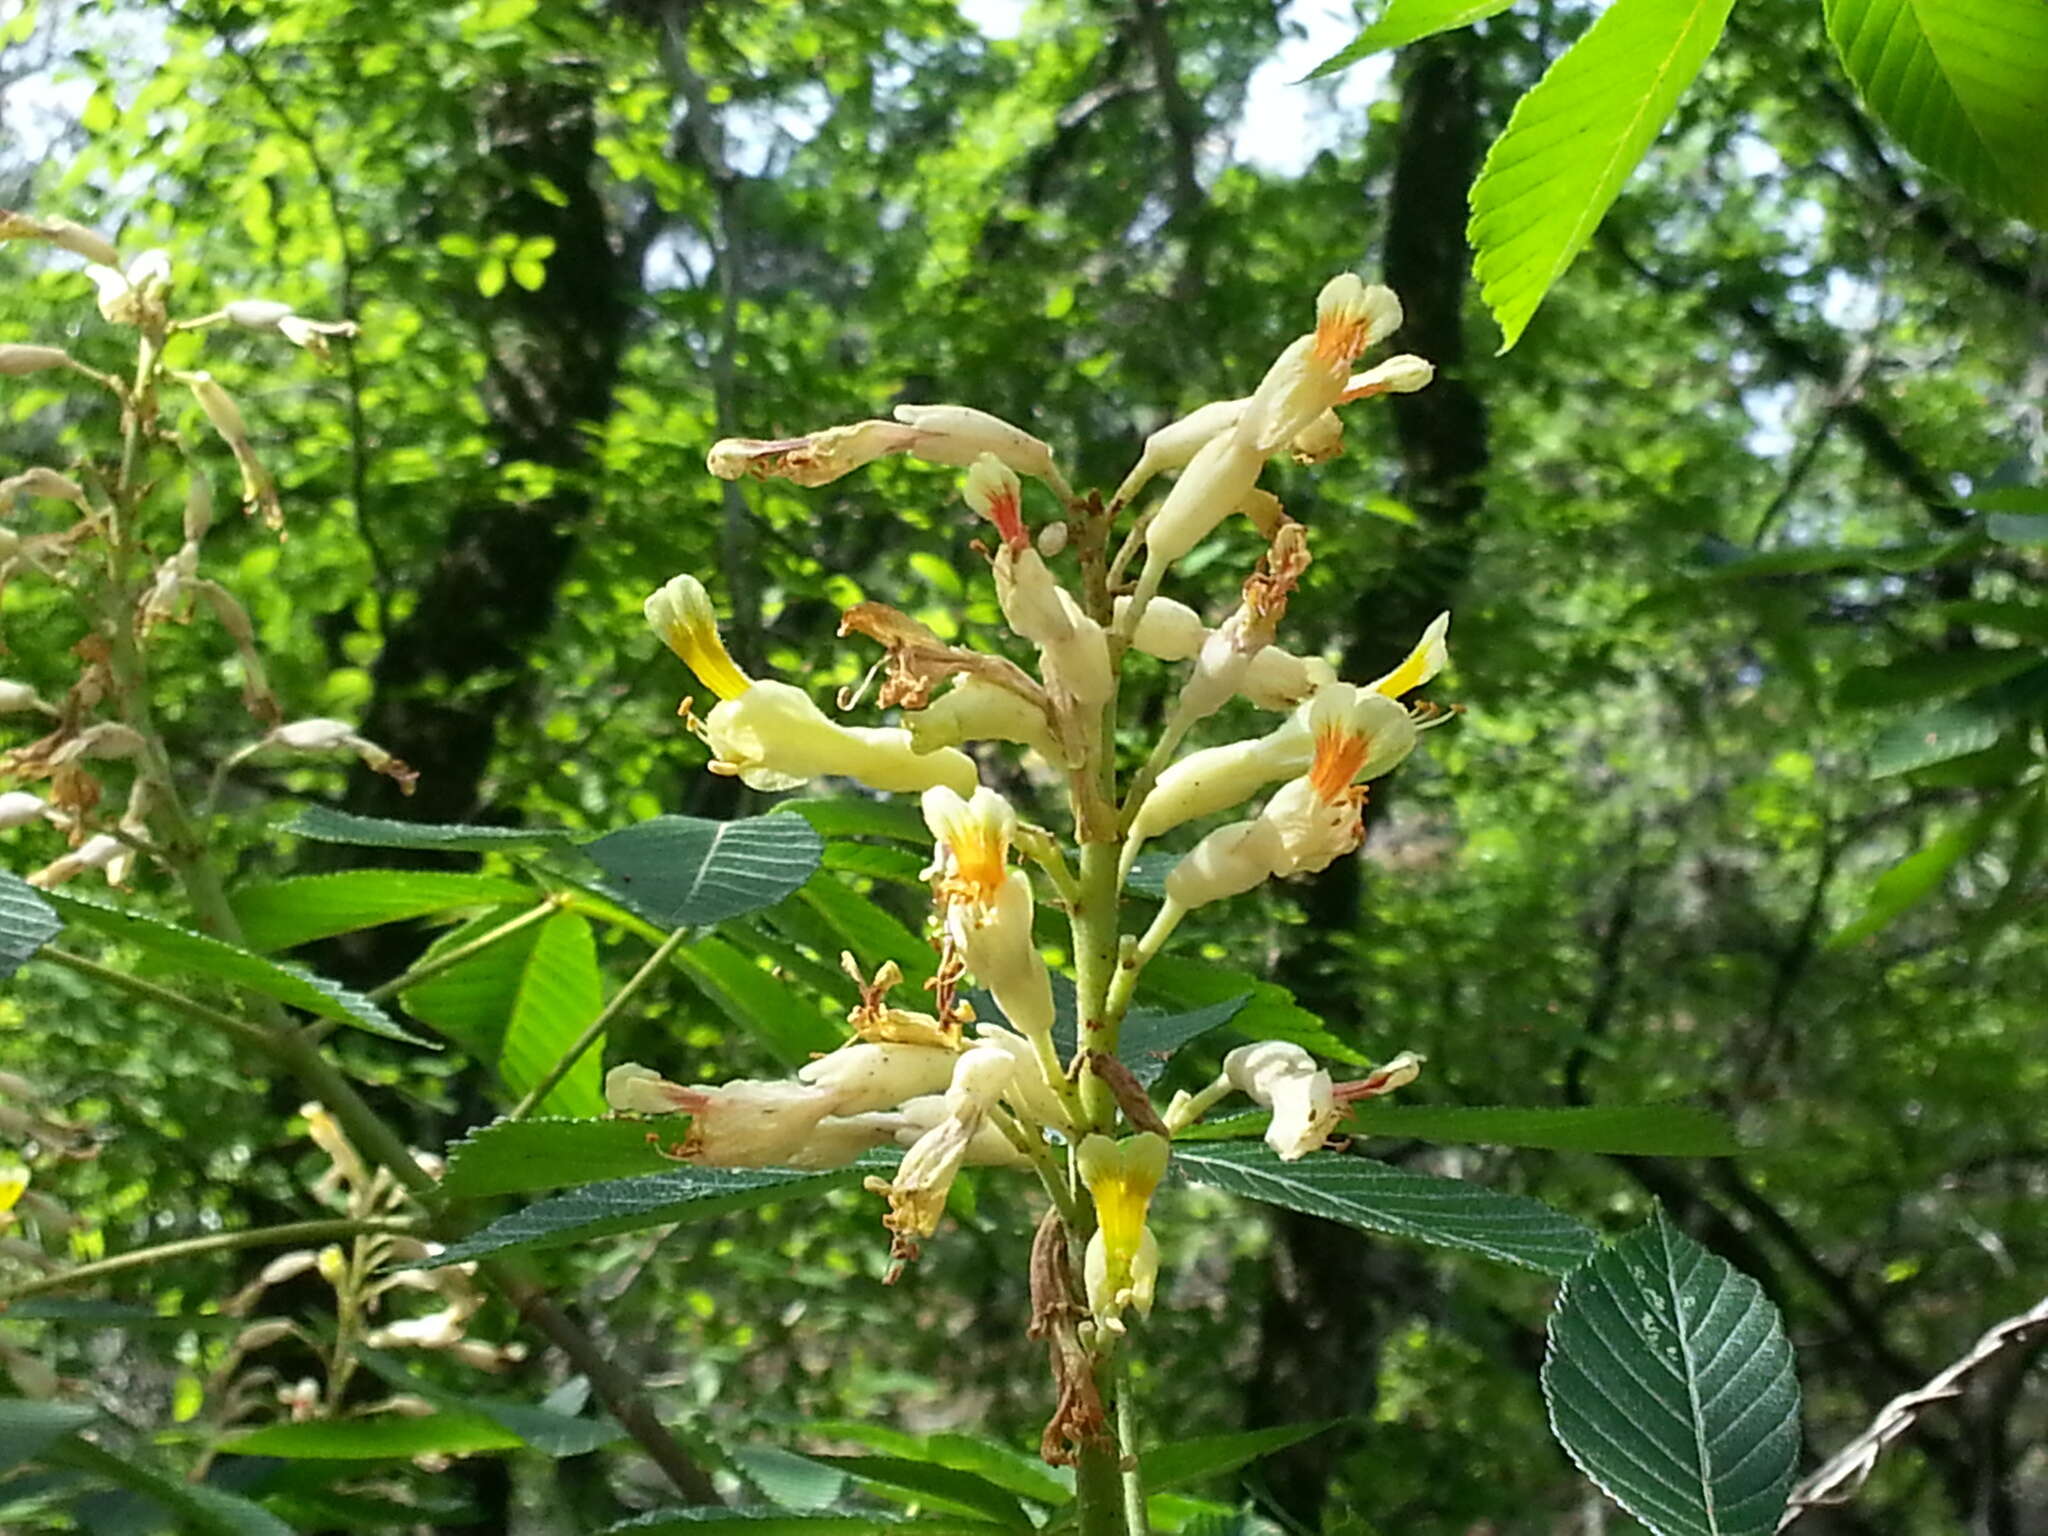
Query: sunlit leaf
point(1573, 140)
point(1962, 83)
point(1408, 21)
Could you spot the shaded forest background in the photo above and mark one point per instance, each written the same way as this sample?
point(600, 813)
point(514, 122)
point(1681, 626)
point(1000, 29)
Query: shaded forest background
point(1713, 534)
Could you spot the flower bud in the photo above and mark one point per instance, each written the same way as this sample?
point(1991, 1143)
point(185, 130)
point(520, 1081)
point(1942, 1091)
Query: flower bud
point(1170, 630)
point(16, 697)
point(18, 808)
point(75, 238)
point(17, 359)
point(1400, 375)
point(816, 459)
point(256, 314)
point(44, 483)
point(960, 434)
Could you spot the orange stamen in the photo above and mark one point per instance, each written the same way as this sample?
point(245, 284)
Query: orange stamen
point(1339, 756)
point(1341, 337)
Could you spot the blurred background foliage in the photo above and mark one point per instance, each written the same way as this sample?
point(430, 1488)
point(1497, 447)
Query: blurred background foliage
point(1730, 538)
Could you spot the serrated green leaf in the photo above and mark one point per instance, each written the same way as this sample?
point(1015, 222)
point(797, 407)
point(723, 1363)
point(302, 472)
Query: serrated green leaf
point(755, 1000)
point(896, 820)
point(1148, 1041)
point(1179, 984)
point(2027, 620)
point(1358, 1192)
point(285, 913)
point(1670, 1384)
point(28, 1428)
point(938, 1487)
point(1573, 140)
point(1640, 1130)
point(686, 872)
point(539, 1427)
point(378, 1439)
point(1404, 22)
point(787, 1480)
point(520, 1003)
point(1022, 1473)
point(653, 1200)
point(323, 825)
point(1932, 675)
point(1963, 85)
point(198, 954)
point(1188, 1461)
point(27, 922)
point(517, 1157)
point(1935, 736)
point(1916, 877)
point(870, 933)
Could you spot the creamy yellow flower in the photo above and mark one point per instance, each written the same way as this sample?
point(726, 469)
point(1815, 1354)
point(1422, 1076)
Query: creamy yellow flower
point(917, 1195)
point(1122, 1262)
point(773, 735)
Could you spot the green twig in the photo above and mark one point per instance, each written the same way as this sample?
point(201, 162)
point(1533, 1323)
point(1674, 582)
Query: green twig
point(448, 959)
point(598, 1025)
point(236, 1029)
point(292, 1232)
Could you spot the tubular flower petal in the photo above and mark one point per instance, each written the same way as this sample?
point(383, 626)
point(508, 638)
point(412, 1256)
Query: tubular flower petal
point(993, 491)
point(741, 1124)
point(1121, 1176)
point(1216, 778)
point(1073, 651)
point(976, 709)
point(682, 615)
point(917, 1195)
point(865, 1075)
point(973, 837)
point(59, 232)
point(1400, 375)
point(1423, 663)
point(816, 459)
point(1282, 1077)
point(1029, 1097)
point(1214, 485)
point(1228, 862)
point(1279, 680)
point(959, 434)
point(989, 1147)
point(773, 735)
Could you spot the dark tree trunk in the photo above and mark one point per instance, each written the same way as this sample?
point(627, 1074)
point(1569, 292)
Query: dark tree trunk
point(455, 666)
point(1334, 1292)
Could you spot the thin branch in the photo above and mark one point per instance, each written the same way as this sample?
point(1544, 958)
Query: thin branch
point(448, 959)
point(598, 1025)
point(1849, 1468)
point(234, 1028)
point(290, 1233)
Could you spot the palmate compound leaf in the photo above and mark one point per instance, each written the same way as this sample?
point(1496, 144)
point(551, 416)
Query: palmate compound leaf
point(1358, 1192)
point(686, 872)
point(1964, 85)
point(1572, 142)
point(685, 1193)
point(1670, 1383)
point(27, 922)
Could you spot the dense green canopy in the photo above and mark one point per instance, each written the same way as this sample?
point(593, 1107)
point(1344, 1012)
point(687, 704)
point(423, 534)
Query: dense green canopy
point(1742, 809)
